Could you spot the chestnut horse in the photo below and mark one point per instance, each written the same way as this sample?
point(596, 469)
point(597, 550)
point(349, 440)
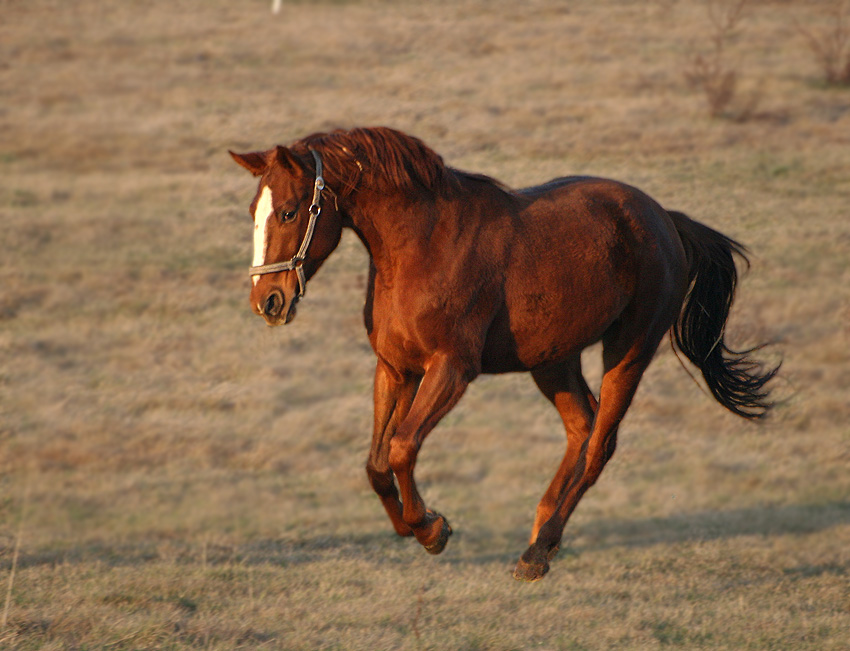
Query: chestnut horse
point(467, 276)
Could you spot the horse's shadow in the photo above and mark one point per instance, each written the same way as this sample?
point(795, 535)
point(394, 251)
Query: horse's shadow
point(700, 526)
point(475, 546)
point(764, 521)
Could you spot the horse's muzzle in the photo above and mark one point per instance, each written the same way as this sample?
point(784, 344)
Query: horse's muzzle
point(275, 310)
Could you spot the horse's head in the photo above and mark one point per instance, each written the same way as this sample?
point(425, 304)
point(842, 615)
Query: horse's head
point(295, 228)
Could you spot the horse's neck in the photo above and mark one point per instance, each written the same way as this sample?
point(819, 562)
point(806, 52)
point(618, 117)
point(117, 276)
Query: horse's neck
point(389, 224)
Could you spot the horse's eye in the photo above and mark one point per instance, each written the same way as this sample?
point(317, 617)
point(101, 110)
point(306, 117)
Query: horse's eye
point(287, 216)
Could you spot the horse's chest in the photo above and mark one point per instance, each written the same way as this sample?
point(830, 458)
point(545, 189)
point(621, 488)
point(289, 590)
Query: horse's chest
point(399, 344)
point(409, 328)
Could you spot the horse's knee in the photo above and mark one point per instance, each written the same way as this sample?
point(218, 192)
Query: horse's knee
point(402, 454)
point(381, 480)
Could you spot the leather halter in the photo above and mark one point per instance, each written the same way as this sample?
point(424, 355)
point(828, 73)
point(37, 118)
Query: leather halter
point(296, 262)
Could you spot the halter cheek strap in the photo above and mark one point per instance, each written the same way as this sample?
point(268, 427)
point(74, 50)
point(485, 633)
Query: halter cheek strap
point(296, 262)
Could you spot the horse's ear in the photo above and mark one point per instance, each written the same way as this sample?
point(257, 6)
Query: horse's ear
point(288, 161)
point(255, 162)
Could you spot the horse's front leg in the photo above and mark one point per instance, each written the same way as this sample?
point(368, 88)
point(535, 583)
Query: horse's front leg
point(394, 393)
point(442, 386)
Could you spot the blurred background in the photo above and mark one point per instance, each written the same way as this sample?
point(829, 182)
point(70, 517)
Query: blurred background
point(173, 474)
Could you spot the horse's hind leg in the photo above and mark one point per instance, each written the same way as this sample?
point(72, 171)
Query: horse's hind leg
point(625, 358)
point(566, 389)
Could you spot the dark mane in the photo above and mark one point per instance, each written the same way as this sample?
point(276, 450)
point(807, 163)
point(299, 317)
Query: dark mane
point(382, 157)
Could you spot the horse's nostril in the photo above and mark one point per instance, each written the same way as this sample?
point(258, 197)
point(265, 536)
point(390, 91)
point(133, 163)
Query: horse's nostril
point(274, 304)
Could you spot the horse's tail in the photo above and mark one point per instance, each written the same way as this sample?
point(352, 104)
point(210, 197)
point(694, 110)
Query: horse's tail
point(735, 380)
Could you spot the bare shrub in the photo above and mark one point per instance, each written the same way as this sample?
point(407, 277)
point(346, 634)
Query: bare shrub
point(711, 72)
point(716, 81)
point(831, 46)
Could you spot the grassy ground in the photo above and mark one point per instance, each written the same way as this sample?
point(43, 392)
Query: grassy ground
point(174, 475)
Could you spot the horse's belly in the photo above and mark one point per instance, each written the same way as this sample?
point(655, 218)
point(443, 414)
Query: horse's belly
point(503, 353)
point(541, 330)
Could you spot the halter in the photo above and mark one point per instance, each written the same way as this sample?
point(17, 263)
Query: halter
point(297, 261)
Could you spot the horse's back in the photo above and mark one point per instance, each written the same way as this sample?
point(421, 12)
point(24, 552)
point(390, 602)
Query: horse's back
point(538, 190)
point(617, 220)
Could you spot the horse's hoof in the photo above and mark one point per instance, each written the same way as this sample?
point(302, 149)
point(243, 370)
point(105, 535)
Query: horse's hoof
point(534, 563)
point(530, 572)
point(440, 543)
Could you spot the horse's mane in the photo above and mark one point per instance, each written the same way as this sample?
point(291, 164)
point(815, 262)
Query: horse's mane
point(384, 157)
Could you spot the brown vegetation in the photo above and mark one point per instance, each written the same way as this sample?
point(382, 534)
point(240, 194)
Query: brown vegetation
point(830, 45)
point(713, 73)
point(173, 479)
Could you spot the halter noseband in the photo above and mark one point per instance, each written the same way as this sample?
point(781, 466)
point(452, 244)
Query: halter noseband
point(297, 261)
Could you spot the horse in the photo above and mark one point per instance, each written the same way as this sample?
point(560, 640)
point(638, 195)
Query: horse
point(467, 276)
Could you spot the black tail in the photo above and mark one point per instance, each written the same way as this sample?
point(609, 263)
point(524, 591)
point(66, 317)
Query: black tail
point(734, 379)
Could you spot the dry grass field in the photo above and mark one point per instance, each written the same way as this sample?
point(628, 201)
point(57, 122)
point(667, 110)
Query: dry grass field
point(176, 475)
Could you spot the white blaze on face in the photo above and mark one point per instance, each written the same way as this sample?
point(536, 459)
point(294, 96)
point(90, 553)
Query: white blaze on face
point(262, 213)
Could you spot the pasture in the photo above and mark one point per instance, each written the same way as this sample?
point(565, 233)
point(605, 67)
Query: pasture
point(176, 475)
